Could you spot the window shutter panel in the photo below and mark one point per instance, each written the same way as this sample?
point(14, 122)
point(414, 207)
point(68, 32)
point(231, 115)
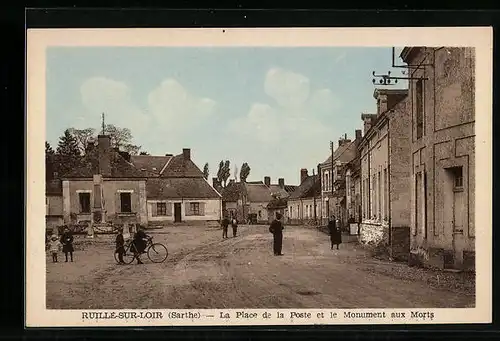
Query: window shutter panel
point(169, 208)
point(187, 208)
point(134, 204)
point(154, 209)
point(202, 208)
point(118, 204)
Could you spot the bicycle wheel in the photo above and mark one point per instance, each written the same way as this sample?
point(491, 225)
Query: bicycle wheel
point(128, 256)
point(157, 253)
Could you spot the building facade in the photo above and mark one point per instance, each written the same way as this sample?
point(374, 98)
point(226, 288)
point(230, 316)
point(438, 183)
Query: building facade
point(385, 173)
point(442, 107)
point(304, 203)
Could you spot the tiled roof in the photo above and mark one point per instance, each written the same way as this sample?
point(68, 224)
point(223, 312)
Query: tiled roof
point(53, 187)
point(277, 203)
point(178, 188)
point(310, 187)
point(120, 168)
point(344, 153)
point(150, 165)
point(232, 191)
point(258, 192)
point(277, 190)
point(180, 167)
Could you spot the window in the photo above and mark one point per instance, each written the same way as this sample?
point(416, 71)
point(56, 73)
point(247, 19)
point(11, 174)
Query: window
point(419, 108)
point(84, 202)
point(126, 202)
point(386, 195)
point(458, 179)
point(161, 208)
point(327, 187)
point(195, 208)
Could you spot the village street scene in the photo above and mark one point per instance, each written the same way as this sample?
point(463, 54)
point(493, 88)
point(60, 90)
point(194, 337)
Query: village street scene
point(373, 208)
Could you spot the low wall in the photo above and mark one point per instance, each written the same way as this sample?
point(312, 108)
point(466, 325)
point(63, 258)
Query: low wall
point(374, 234)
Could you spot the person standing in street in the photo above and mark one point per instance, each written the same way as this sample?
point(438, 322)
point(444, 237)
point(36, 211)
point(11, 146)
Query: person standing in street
point(54, 247)
point(335, 233)
point(225, 225)
point(67, 242)
point(234, 225)
point(120, 246)
point(276, 228)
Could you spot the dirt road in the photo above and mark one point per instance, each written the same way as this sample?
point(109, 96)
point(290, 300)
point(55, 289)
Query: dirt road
point(204, 271)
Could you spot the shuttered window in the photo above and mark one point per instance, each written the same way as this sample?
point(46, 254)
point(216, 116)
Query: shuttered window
point(126, 202)
point(161, 208)
point(195, 209)
point(84, 202)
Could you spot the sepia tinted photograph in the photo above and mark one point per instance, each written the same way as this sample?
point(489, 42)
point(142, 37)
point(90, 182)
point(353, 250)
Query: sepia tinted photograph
point(259, 177)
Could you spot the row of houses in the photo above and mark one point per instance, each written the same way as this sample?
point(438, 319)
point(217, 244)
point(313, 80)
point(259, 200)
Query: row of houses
point(407, 179)
point(113, 187)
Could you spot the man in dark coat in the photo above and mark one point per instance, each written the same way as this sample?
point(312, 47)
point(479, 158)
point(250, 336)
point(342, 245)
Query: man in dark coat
point(234, 225)
point(120, 246)
point(140, 238)
point(67, 242)
point(225, 224)
point(335, 233)
point(276, 229)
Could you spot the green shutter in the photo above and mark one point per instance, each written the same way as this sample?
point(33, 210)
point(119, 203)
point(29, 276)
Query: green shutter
point(154, 209)
point(187, 208)
point(169, 208)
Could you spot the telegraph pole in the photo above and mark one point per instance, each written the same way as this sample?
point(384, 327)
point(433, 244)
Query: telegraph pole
point(314, 196)
point(103, 125)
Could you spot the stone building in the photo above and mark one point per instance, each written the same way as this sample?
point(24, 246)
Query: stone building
point(304, 202)
point(385, 173)
point(105, 189)
point(176, 190)
point(53, 204)
point(442, 135)
point(353, 186)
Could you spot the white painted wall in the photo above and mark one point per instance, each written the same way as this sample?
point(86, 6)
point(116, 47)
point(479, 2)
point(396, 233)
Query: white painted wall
point(212, 210)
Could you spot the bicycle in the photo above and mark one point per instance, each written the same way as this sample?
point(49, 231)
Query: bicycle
point(157, 252)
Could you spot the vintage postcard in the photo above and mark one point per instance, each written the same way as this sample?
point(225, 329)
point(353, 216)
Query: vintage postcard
point(186, 177)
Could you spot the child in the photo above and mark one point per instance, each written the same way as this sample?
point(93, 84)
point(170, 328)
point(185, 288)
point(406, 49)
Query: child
point(120, 246)
point(234, 225)
point(54, 246)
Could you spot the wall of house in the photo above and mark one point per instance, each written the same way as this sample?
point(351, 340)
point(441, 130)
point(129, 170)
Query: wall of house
point(303, 210)
point(111, 195)
point(210, 210)
point(447, 141)
point(54, 205)
point(256, 207)
point(400, 165)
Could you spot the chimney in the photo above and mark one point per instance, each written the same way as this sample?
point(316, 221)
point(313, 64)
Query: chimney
point(303, 174)
point(267, 181)
point(169, 155)
point(215, 183)
point(186, 152)
point(368, 120)
point(281, 183)
point(358, 135)
point(104, 155)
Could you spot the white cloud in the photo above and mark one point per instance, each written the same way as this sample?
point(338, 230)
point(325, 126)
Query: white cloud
point(288, 88)
point(175, 108)
point(104, 95)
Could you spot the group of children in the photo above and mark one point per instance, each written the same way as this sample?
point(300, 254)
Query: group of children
point(65, 242)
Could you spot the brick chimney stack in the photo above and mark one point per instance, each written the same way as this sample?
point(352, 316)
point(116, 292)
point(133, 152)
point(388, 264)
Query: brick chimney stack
point(186, 152)
point(303, 174)
point(267, 181)
point(368, 120)
point(281, 183)
point(104, 142)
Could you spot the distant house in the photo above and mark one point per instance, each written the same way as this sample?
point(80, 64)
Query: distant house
point(176, 190)
point(303, 203)
point(53, 204)
point(250, 200)
point(105, 188)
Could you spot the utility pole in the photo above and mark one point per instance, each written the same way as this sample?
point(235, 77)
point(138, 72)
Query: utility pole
point(314, 197)
point(331, 173)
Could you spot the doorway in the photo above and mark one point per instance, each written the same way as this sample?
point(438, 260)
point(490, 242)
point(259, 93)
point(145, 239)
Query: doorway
point(177, 212)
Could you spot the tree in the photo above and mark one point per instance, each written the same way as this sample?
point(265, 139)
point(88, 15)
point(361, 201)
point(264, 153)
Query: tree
point(49, 161)
point(143, 153)
point(206, 172)
point(83, 136)
point(220, 173)
point(226, 172)
point(68, 153)
point(245, 172)
point(121, 138)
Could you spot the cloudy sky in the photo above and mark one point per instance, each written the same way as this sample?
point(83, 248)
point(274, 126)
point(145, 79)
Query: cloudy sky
point(275, 108)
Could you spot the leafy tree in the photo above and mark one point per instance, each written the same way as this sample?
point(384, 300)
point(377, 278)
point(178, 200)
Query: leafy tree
point(226, 172)
point(83, 136)
point(206, 172)
point(244, 172)
point(68, 152)
point(220, 173)
point(49, 161)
